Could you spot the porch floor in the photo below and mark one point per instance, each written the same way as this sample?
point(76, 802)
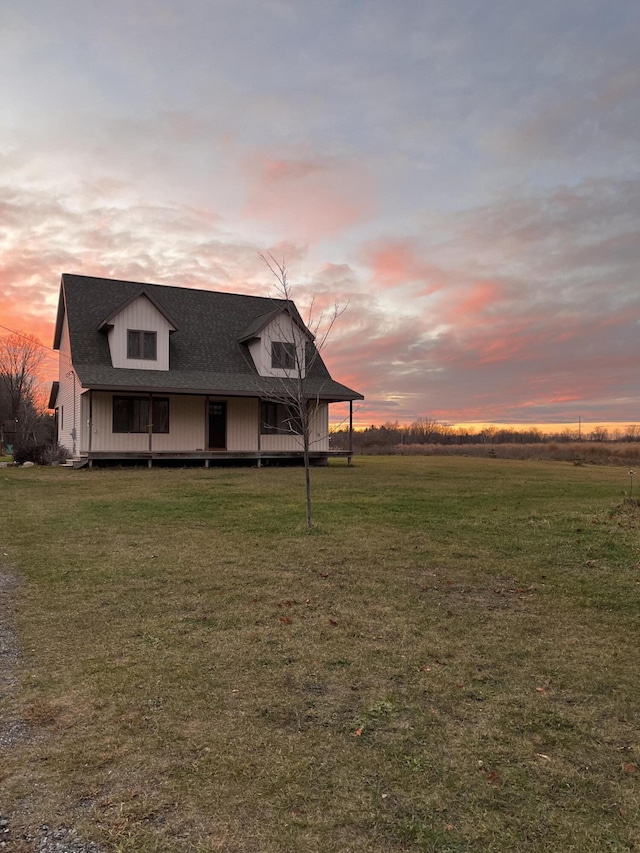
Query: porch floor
point(318, 457)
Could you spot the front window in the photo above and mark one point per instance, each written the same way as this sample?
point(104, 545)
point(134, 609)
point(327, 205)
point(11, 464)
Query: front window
point(141, 344)
point(131, 414)
point(279, 418)
point(283, 355)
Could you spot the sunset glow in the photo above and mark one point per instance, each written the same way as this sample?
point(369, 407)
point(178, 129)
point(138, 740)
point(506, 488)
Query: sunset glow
point(473, 195)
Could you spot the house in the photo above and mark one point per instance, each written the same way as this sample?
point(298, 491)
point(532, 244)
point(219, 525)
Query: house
point(152, 372)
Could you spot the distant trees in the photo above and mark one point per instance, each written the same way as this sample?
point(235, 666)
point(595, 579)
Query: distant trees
point(599, 433)
point(392, 437)
point(21, 357)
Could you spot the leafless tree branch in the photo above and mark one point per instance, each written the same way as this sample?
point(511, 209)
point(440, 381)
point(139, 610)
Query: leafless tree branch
point(292, 390)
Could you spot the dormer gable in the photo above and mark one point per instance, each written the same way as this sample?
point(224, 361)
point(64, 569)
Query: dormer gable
point(138, 332)
point(278, 341)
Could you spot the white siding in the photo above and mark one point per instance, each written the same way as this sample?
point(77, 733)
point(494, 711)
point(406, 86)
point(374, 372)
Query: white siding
point(68, 401)
point(143, 315)
point(84, 422)
point(281, 442)
point(242, 423)
point(186, 425)
point(320, 428)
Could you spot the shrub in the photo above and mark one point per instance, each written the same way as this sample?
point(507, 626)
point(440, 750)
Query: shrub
point(55, 454)
point(28, 453)
point(40, 454)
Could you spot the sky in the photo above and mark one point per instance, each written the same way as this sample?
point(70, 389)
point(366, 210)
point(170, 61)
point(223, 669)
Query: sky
point(464, 175)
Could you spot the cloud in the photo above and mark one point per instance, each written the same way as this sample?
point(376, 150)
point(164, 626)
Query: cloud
point(307, 197)
point(45, 235)
point(597, 119)
point(538, 311)
point(397, 263)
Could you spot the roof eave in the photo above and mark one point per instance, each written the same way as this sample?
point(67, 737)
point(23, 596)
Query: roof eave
point(53, 396)
point(62, 307)
point(326, 397)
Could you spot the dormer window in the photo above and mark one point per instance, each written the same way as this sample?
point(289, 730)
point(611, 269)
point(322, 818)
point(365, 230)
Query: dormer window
point(141, 344)
point(283, 355)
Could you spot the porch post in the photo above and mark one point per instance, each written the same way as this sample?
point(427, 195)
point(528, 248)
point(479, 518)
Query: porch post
point(259, 433)
point(150, 425)
point(350, 432)
point(90, 419)
point(259, 425)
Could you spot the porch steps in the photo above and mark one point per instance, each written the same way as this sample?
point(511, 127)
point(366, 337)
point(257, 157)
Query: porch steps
point(75, 462)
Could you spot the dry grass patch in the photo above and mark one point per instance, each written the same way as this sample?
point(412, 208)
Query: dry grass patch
point(449, 663)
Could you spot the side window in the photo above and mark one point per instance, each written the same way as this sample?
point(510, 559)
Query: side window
point(141, 344)
point(279, 418)
point(268, 417)
point(283, 355)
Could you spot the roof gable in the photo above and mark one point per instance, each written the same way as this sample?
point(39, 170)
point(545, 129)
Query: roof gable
point(142, 291)
point(254, 328)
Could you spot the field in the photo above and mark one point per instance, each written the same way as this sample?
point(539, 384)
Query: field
point(447, 663)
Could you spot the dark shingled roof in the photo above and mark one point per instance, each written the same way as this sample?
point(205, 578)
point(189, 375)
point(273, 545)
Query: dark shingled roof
point(206, 353)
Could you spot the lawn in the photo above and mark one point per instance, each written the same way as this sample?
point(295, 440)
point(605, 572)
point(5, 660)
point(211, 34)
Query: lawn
point(447, 663)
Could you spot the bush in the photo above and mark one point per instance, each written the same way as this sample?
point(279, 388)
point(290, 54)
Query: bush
point(40, 454)
point(55, 454)
point(28, 453)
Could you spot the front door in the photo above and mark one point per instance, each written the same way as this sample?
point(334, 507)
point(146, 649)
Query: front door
point(217, 425)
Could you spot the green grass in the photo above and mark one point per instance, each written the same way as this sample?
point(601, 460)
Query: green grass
point(449, 662)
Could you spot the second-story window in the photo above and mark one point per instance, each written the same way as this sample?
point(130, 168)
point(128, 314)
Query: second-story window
point(283, 355)
point(141, 344)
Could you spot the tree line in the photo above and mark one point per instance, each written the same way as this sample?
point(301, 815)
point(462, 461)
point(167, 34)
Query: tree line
point(429, 431)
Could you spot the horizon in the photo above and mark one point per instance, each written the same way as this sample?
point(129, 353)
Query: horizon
point(549, 428)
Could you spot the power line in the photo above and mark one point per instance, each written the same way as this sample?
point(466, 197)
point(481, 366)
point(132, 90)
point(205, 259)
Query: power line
point(36, 342)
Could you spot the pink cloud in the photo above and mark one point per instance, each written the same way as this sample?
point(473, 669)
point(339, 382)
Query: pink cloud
point(396, 263)
point(309, 197)
point(465, 304)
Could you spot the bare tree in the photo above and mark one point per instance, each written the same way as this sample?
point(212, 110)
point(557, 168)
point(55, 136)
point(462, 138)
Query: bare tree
point(302, 350)
point(21, 356)
point(599, 433)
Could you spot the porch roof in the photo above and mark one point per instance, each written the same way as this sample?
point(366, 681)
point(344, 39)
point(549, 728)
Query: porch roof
point(102, 378)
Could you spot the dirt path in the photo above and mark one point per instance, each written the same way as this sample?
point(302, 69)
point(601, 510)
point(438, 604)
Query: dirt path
point(11, 731)
point(47, 839)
